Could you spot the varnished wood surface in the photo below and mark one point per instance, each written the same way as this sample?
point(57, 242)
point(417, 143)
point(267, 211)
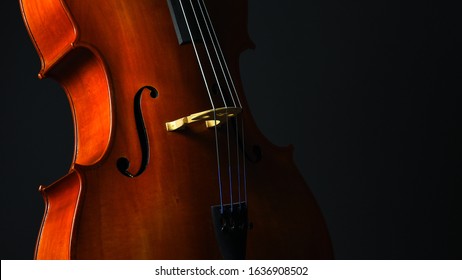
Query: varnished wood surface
point(62, 206)
point(102, 52)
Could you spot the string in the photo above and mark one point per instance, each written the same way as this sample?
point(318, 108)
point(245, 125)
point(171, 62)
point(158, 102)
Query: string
point(208, 53)
point(215, 47)
point(230, 174)
point(243, 163)
point(229, 80)
point(222, 56)
point(233, 93)
point(211, 101)
point(227, 123)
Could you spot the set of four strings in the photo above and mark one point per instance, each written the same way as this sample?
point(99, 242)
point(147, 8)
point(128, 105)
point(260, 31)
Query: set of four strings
point(232, 90)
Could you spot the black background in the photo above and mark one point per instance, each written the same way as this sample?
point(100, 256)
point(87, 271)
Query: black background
point(368, 92)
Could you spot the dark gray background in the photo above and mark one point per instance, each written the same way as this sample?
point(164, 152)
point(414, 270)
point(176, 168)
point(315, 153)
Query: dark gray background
point(366, 91)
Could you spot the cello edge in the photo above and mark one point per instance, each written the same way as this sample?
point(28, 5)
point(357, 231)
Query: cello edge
point(62, 203)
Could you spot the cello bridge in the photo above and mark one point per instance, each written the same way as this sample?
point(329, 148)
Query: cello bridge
point(212, 118)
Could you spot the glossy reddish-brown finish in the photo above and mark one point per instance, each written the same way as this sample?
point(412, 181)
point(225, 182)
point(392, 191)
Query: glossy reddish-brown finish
point(102, 52)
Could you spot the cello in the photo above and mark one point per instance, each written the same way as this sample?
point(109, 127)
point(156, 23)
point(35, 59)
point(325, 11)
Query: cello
point(168, 162)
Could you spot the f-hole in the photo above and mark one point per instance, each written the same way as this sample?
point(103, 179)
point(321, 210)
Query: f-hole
point(123, 164)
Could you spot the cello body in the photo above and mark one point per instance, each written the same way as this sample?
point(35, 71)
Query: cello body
point(136, 190)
